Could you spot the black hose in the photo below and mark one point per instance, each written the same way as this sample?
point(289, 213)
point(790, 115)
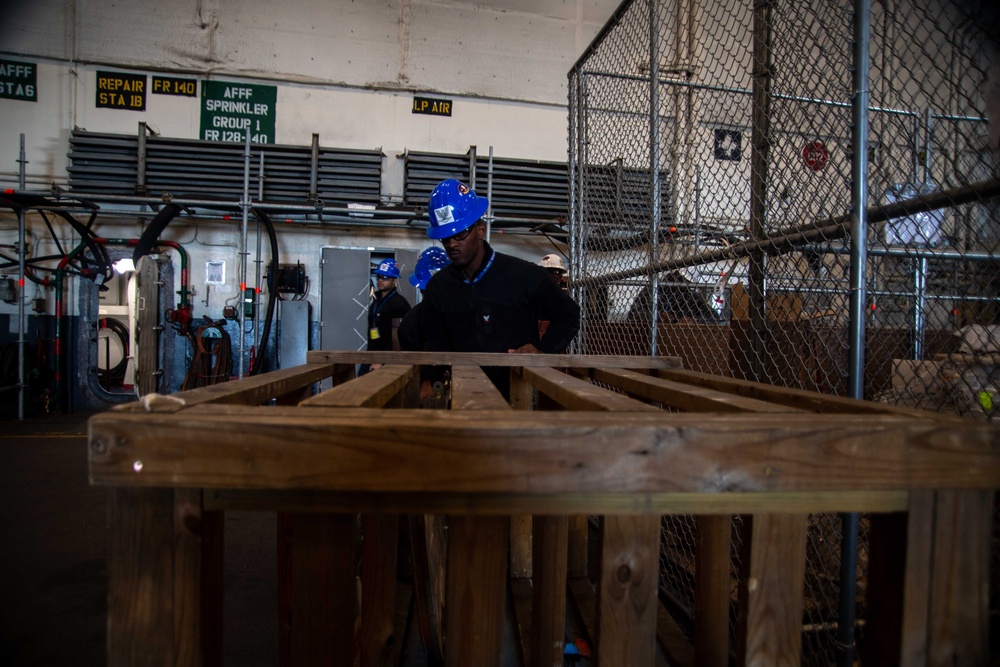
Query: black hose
point(272, 280)
point(153, 231)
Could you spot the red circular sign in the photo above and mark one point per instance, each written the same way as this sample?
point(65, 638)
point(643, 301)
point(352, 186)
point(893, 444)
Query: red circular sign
point(815, 155)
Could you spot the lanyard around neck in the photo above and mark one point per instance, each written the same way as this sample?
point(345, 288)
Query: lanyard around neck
point(479, 276)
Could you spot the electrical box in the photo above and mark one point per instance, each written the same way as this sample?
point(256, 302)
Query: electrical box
point(291, 279)
point(248, 302)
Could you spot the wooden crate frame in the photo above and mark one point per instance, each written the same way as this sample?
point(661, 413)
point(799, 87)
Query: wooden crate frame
point(725, 447)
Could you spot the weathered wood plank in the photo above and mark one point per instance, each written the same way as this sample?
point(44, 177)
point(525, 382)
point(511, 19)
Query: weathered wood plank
point(427, 542)
point(323, 595)
point(672, 640)
point(476, 590)
point(959, 627)
point(576, 394)
point(488, 504)
point(379, 547)
point(584, 599)
point(252, 390)
point(540, 452)
point(198, 554)
point(548, 609)
point(372, 390)
point(711, 590)
point(520, 545)
point(775, 590)
point(579, 537)
point(520, 595)
point(141, 578)
point(917, 578)
point(796, 398)
point(472, 390)
point(491, 359)
point(683, 396)
point(626, 595)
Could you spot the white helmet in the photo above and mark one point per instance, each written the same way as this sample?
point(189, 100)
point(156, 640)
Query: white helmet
point(553, 262)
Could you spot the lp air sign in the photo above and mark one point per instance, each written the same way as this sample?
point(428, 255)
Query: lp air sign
point(230, 110)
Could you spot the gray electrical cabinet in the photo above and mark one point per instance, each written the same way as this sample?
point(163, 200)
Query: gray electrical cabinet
point(293, 338)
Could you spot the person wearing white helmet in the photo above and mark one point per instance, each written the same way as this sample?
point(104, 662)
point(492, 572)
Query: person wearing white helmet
point(557, 270)
point(486, 301)
point(387, 306)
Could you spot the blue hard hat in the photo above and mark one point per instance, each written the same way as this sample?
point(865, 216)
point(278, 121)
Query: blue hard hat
point(388, 268)
point(430, 261)
point(454, 207)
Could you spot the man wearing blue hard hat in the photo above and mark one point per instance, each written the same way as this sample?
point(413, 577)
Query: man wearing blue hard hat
point(388, 305)
point(486, 301)
point(410, 332)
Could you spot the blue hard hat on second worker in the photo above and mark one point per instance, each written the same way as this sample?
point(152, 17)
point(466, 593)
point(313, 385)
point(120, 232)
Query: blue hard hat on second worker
point(453, 208)
point(429, 262)
point(388, 268)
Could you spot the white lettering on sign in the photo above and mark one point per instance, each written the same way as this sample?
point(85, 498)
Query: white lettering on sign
point(17, 71)
point(245, 93)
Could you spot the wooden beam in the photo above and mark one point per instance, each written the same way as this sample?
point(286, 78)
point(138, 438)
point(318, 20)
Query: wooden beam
point(253, 390)
point(379, 547)
point(775, 590)
point(672, 640)
point(626, 596)
point(682, 396)
point(475, 591)
point(548, 608)
point(576, 394)
point(472, 390)
point(371, 390)
point(489, 504)
point(198, 570)
point(492, 359)
point(797, 398)
point(579, 538)
point(540, 452)
point(917, 578)
point(713, 558)
point(323, 595)
point(141, 579)
point(959, 623)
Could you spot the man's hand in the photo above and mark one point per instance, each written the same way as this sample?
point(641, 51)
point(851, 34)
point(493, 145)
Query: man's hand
point(527, 348)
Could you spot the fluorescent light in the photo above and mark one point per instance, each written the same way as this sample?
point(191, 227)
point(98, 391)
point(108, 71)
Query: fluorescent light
point(124, 265)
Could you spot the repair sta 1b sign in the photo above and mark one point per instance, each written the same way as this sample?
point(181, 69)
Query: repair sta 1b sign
point(230, 110)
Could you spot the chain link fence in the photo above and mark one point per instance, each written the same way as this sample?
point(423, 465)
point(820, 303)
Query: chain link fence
point(711, 215)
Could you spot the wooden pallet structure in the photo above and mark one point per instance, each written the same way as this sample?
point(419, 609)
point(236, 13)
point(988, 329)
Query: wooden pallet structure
point(628, 439)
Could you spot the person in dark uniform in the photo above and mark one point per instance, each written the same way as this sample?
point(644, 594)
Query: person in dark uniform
point(486, 301)
point(410, 332)
point(387, 306)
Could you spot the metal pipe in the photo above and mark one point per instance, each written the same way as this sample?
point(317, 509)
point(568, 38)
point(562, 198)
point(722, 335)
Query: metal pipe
point(22, 272)
point(256, 292)
point(571, 168)
point(472, 167)
point(928, 119)
point(820, 230)
point(761, 140)
point(140, 171)
point(919, 306)
point(858, 273)
point(654, 170)
point(313, 170)
point(489, 196)
point(245, 205)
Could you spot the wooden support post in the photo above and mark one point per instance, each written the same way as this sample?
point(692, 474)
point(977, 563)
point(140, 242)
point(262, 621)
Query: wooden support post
point(379, 548)
point(774, 590)
point(626, 596)
point(476, 590)
point(711, 590)
point(579, 532)
point(958, 626)
point(141, 579)
point(916, 585)
point(548, 608)
point(887, 548)
point(316, 570)
point(198, 570)
point(521, 398)
point(428, 548)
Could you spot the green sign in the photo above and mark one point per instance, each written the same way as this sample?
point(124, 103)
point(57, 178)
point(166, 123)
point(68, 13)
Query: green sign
point(121, 90)
point(19, 81)
point(165, 85)
point(230, 110)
